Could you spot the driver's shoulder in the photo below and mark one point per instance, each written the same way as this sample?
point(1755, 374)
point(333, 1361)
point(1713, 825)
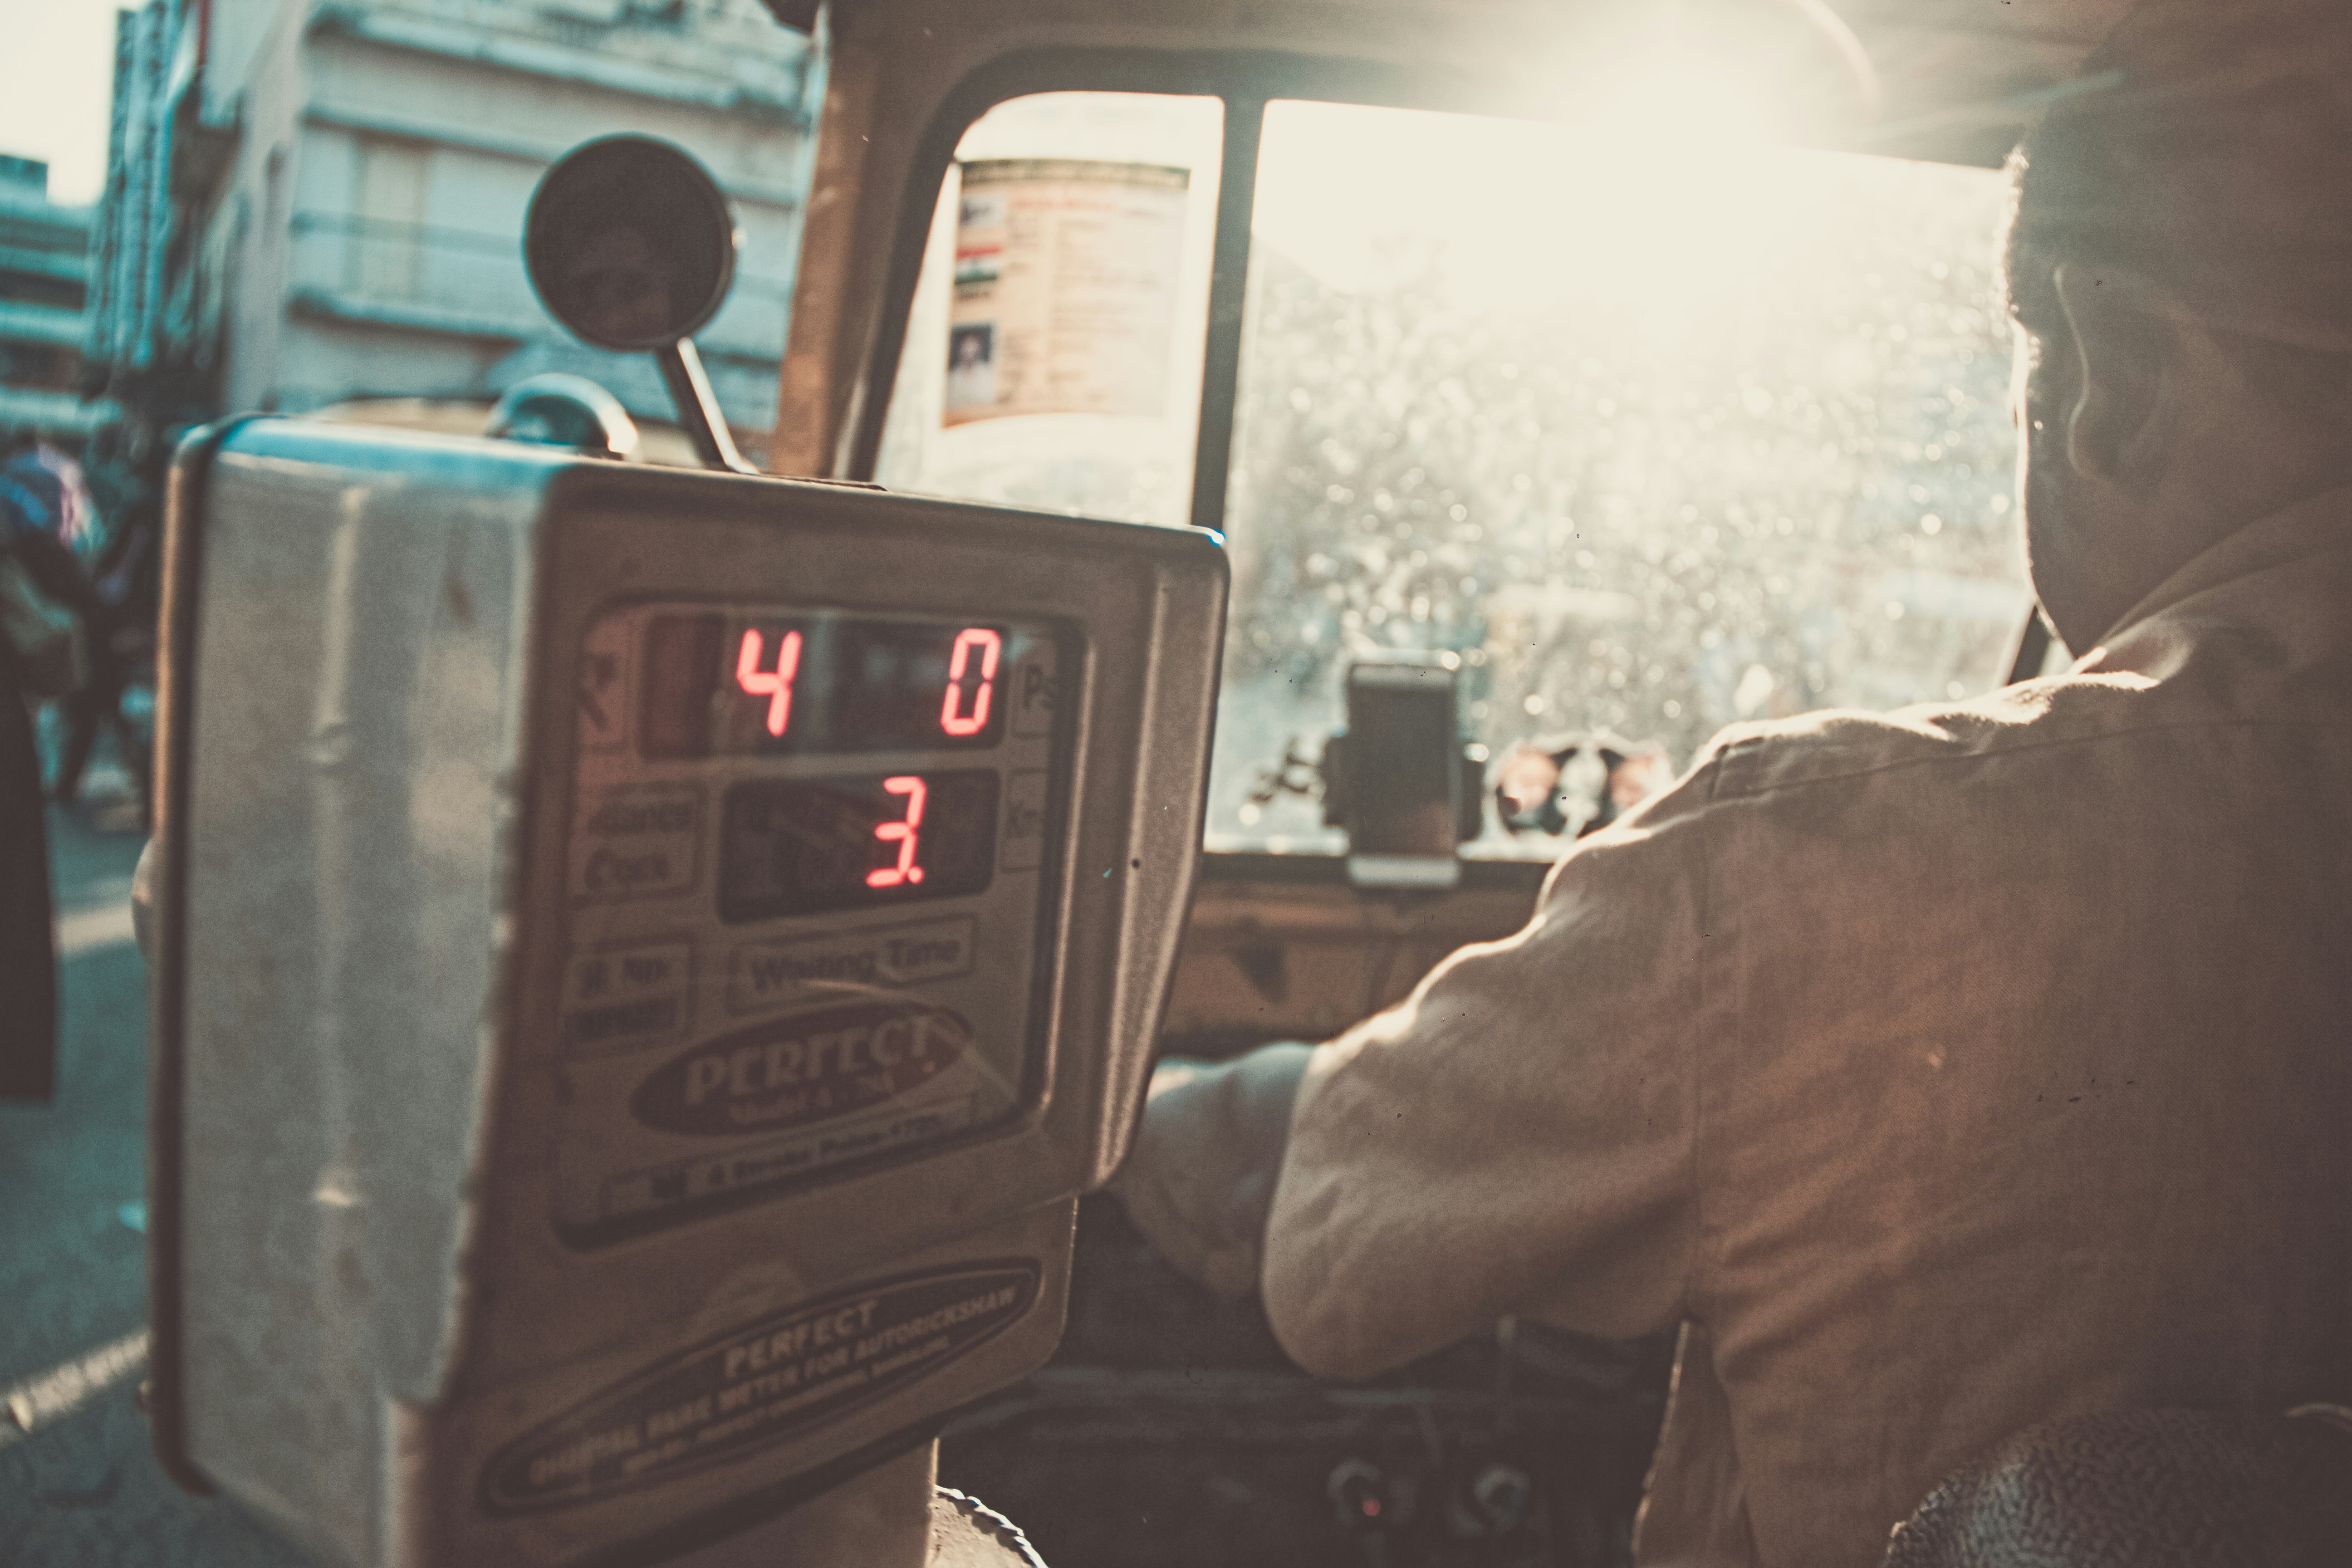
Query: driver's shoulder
point(2051, 727)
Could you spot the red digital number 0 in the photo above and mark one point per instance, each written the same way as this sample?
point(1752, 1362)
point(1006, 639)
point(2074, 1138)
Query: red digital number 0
point(903, 833)
point(991, 647)
point(775, 685)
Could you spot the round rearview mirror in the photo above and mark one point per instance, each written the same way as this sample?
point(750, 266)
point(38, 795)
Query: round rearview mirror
point(630, 243)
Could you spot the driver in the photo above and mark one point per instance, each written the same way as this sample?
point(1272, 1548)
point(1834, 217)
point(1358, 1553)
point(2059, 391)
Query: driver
point(1941, 1072)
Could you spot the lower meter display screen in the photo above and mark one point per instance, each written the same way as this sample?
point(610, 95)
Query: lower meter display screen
point(792, 846)
point(810, 874)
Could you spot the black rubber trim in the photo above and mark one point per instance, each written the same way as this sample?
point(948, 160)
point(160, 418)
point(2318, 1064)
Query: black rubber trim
point(2033, 641)
point(1220, 363)
point(991, 1523)
point(167, 965)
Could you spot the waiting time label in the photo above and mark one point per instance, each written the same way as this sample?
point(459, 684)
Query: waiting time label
point(762, 975)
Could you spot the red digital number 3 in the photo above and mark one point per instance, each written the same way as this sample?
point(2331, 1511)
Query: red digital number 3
point(902, 833)
point(991, 645)
point(775, 685)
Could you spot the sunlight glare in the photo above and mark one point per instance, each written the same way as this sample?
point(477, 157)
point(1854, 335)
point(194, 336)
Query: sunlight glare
point(1683, 104)
point(1627, 211)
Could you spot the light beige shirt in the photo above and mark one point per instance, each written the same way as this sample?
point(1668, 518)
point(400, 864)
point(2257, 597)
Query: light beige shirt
point(1940, 1071)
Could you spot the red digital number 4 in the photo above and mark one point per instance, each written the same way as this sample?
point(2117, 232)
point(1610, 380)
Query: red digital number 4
point(903, 833)
point(951, 717)
point(775, 685)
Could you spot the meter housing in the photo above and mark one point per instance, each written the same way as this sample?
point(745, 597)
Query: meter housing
point(646, 962)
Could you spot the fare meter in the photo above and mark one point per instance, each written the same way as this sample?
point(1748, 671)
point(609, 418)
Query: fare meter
point(646, 962)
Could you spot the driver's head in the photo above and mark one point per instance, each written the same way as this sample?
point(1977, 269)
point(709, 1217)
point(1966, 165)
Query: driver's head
point(2179, 269)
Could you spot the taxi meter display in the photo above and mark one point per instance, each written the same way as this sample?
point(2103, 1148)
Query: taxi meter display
point(645, 963)
point(808, 869)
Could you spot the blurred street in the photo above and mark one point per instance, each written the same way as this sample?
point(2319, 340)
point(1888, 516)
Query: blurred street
point(82, 1487)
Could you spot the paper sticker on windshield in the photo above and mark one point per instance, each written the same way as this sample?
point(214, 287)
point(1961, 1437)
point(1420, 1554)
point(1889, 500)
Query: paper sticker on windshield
point(1065, 277)
point(771, 1380)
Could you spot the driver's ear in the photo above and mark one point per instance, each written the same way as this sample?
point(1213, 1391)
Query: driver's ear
point(2129, 337)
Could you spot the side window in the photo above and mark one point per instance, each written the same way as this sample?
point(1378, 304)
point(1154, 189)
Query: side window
point(1654, 444)
point(1053, 357)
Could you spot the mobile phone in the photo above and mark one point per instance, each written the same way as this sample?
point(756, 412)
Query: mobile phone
point(1405, 771)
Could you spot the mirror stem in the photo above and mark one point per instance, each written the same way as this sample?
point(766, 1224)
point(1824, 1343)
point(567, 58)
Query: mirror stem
point(698, 409)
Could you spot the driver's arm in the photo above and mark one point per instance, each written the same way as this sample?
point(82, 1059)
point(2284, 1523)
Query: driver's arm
point(1518, 1137)
point(1200, 1177)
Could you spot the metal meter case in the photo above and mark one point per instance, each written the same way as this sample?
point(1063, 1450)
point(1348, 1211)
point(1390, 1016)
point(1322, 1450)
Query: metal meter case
point(646, 962)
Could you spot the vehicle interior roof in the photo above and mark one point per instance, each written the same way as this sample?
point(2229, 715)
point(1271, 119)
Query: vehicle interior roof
point(1952, 80)
point(1955, 78)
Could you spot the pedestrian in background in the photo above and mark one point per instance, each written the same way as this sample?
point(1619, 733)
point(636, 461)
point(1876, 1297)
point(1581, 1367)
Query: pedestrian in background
point(45, 606)
point(126, 578)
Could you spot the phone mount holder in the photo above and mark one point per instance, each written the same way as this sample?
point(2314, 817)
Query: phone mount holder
point(630, 244)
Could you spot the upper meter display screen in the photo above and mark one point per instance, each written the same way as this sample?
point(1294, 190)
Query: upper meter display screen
point(780, 686)
point(810, 878)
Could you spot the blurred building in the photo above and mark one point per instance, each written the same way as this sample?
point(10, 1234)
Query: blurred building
point(44, 284)
point(316, 203)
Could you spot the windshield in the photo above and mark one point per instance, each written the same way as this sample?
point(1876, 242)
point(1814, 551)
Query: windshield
point(1654, 443)
point(1654, 435)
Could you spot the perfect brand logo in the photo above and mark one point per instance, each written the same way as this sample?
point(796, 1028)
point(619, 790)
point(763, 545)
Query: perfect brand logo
point(807, 1068)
